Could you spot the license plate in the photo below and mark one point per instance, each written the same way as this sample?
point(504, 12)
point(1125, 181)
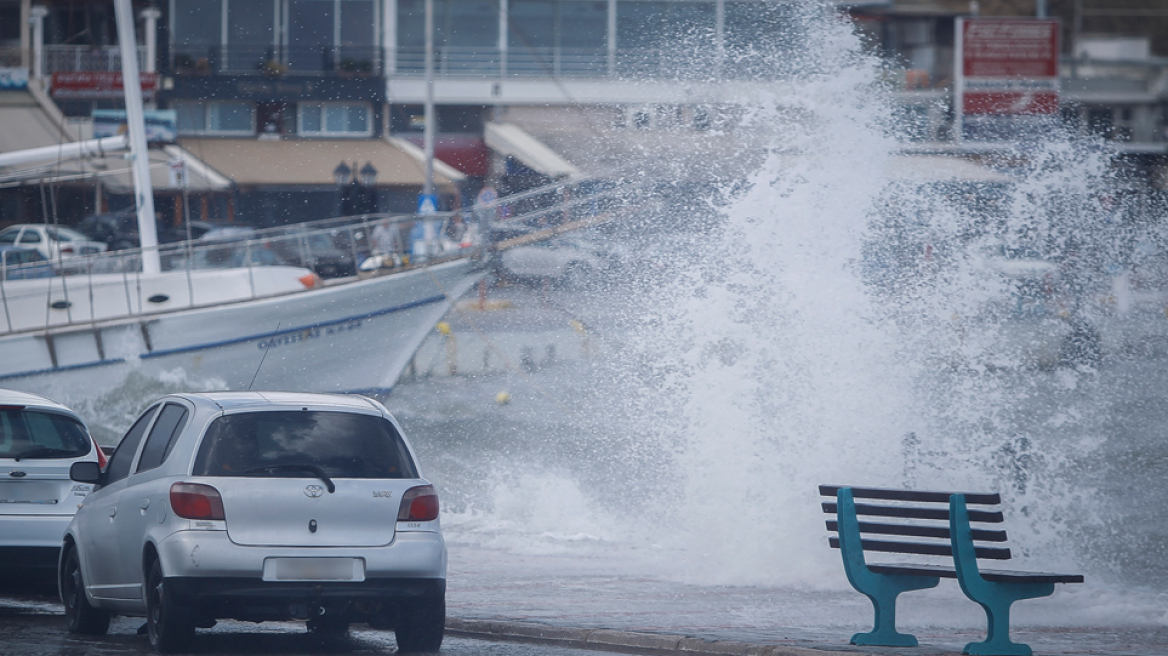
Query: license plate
point(314, 569)
point(30, 492)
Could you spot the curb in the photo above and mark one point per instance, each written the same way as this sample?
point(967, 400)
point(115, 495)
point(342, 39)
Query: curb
point(608, 639)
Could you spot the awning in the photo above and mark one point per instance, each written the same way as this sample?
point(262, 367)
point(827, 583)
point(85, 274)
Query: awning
point(116, 176)
point(510, 140)
point(26, 124)
point(31, 123)
point(307, 162)
point(592, 139)
point(440, 167)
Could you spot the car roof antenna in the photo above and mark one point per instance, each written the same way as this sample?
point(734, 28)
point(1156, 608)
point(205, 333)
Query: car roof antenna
point(265, 355)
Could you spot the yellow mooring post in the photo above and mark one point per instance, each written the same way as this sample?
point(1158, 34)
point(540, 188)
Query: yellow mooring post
point(451, 347)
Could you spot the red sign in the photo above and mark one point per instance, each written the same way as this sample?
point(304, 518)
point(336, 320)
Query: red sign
point(1010, 47)
point(98, 84)
point(1008, 66)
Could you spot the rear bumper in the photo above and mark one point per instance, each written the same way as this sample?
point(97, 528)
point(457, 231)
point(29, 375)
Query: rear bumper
point(221, 579)
point(255, 591)
point(33, 530)
point(212, 554)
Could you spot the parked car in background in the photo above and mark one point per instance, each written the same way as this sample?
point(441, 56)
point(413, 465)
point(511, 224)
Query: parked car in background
point(232, 246)
point(20, 263)
point(328, 253)
point(39, 440)
point(566, 262)
point(120, 230)
point(258, 506)
point(50, 240)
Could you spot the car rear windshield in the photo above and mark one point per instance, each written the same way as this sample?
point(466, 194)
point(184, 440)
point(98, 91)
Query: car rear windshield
point(34, 434)
point(340, 444)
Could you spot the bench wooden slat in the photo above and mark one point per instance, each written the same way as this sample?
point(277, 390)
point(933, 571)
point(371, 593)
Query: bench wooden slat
point(944, 571)
point(928, 549)
point(975, 498)
point(1008, 576)
point(949, 572)
point(910, 512)
point(913, 530)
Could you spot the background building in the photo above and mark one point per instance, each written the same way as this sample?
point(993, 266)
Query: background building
point(273, 96)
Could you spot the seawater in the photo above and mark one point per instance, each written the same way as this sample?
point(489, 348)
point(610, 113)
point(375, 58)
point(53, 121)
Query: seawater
point(834, 323)
point(800, 345)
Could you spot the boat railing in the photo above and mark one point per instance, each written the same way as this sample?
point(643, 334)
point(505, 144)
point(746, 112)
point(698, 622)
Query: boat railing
point(71, 292)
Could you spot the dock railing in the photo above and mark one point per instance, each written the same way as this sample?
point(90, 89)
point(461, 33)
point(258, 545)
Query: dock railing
point(336, 249)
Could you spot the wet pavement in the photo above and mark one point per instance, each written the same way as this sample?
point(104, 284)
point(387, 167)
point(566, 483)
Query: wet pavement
point(538, 591)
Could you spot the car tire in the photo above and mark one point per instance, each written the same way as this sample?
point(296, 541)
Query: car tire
point(421, 626)
point(169, 625)
point(80, 616)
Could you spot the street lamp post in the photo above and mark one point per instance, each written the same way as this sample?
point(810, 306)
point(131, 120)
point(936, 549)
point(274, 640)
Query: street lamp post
point(356, 188)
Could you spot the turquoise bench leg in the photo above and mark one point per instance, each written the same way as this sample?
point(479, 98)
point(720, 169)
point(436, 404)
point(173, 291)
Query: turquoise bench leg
point(881, 589)
point(995, 597)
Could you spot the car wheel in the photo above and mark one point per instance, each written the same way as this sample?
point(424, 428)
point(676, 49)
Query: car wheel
point(80, 616)
point(168, 624)
point(421, 626)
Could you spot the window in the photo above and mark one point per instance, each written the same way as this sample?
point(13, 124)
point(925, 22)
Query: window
point(251, 30)
point(30, 237)
point(123, 457)
point(335, 120)
point(219, 117)
point(32, 434)
point(197, 27)
point(276, 443)
point(161, 440)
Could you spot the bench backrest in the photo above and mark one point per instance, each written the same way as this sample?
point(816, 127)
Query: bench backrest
point(916, 514)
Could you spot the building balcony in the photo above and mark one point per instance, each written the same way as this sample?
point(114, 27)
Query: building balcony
point(65, 58)
point(270, 61)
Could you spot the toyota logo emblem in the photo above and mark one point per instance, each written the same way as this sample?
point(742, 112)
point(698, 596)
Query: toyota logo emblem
point(313, 491)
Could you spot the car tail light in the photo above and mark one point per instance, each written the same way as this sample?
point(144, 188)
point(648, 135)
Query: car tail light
point(11, 407)
point(419, 504)
point(309, 280)
point(196, 501)
point(68, 250)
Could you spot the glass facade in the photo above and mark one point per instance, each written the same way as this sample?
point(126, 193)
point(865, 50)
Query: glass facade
point(677, 38)
point(335, 119)
point(223, 117)
point(275, 36)
point(196, 32)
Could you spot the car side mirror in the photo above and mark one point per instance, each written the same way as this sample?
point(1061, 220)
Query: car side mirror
point(85, 472)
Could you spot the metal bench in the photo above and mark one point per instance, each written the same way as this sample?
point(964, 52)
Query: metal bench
point(944, 521)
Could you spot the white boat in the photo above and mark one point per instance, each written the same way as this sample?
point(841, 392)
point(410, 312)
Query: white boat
point(160, 312)
point(214, 327)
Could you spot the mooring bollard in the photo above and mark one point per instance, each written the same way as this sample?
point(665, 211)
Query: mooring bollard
point(451, 347)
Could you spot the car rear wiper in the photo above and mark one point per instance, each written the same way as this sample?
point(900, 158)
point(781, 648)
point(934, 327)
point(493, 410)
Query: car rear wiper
point(42, 452)
point(312, 469)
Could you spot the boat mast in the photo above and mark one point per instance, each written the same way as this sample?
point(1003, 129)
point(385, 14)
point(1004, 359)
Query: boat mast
point(429, 124)
point(136, 124)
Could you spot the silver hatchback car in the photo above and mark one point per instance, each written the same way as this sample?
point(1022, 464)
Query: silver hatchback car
point(258, 506)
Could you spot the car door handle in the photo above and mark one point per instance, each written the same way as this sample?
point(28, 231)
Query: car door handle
point(144, 504)
point(113, 511)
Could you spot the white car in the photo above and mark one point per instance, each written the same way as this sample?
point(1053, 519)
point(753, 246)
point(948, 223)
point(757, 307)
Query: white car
point(39, 440)
point(50, 240)
point(258, 506)
point(570, 263)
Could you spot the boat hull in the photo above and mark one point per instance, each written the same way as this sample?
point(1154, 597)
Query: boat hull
point(347, 337)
